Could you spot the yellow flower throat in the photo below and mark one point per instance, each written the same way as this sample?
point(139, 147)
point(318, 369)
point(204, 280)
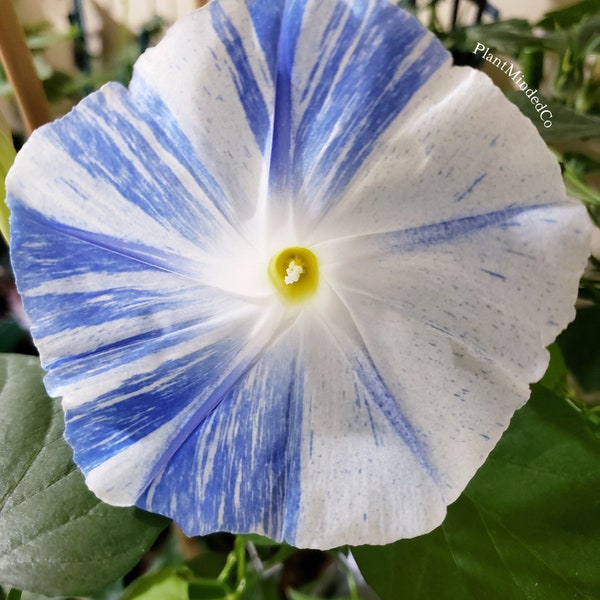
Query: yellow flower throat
point(294, 273)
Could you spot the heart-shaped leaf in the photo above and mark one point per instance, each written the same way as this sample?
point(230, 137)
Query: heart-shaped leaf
point(526, 527)
point(56, 537)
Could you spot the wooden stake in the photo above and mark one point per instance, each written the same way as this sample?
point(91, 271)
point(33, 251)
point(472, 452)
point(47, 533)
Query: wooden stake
point(18, 65)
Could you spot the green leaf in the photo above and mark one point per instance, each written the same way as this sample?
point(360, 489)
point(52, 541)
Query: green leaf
point(296, 595)
point(579, 343)
point(7, 157)
point(526, 528)
point(565, 18)
point(56, 537)
point(567, 125)
point(509, 37)
point(206, 589)
point(175, 583)
point(167, 584)
point(555, 378)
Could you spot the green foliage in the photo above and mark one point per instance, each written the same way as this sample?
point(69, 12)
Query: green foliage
point(570, 35)
point(581, 349)
point(526, 527)
point(56, 537)
point(7, 156)
point(174, 583)
point(567, 125)
point(569, 16)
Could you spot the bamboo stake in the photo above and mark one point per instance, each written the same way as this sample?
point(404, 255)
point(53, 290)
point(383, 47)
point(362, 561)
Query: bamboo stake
point(200, 3)
point(20, 71)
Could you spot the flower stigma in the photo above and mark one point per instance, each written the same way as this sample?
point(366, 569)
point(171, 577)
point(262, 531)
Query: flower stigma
point(294, 273)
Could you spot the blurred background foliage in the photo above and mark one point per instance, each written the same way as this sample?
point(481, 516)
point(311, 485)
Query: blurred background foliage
point(558, 52)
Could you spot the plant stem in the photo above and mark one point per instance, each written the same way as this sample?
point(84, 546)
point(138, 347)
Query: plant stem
point(454, 14)
point(240, 550)
point(20, 70)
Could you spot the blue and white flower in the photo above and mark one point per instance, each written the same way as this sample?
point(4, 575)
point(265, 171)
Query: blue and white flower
point(296, 279)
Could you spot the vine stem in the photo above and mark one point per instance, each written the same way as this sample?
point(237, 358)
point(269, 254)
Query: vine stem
point(20, 70)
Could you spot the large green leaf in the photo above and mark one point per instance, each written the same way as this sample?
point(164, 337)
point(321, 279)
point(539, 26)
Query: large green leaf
point(527, 527)
point(56, 537)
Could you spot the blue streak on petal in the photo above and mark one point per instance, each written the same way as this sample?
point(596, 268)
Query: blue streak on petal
point(349, 30)
point(321, 115)
point(146, 401)
point(266, 19)
point(438, 328)
point(102, 358)
point(43, 257)
point(244, 80)
point(358, 401)
point(342, 124)
point(145, 104)
point(493, 274)
point(471, 187)
point(60, 236)
point(380, 395)
point(239, 469)
point(446, 231)
point(88, 137)
point(281, 158)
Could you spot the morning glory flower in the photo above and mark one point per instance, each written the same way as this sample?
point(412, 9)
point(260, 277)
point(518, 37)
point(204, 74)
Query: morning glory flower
point(297, 277)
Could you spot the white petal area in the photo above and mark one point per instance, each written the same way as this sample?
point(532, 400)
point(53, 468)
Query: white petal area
point(461, 323)
point(365, 471)
point(457, 149)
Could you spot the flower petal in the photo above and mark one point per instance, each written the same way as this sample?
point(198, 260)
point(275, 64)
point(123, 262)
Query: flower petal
point(140, 355)
point(160, 154)
point(473, 304)
point(457, 150)
point(346, 70)
point(366, 473)
point(238, 471)
point(213, 77)
point(294, 467)
point(188, 389)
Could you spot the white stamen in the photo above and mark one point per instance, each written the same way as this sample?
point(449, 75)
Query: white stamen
point(292, 273)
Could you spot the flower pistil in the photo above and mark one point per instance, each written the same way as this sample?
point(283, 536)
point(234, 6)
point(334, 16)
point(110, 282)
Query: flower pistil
point(295, 273)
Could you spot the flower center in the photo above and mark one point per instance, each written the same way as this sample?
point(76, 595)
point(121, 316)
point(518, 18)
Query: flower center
point(294, 273)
